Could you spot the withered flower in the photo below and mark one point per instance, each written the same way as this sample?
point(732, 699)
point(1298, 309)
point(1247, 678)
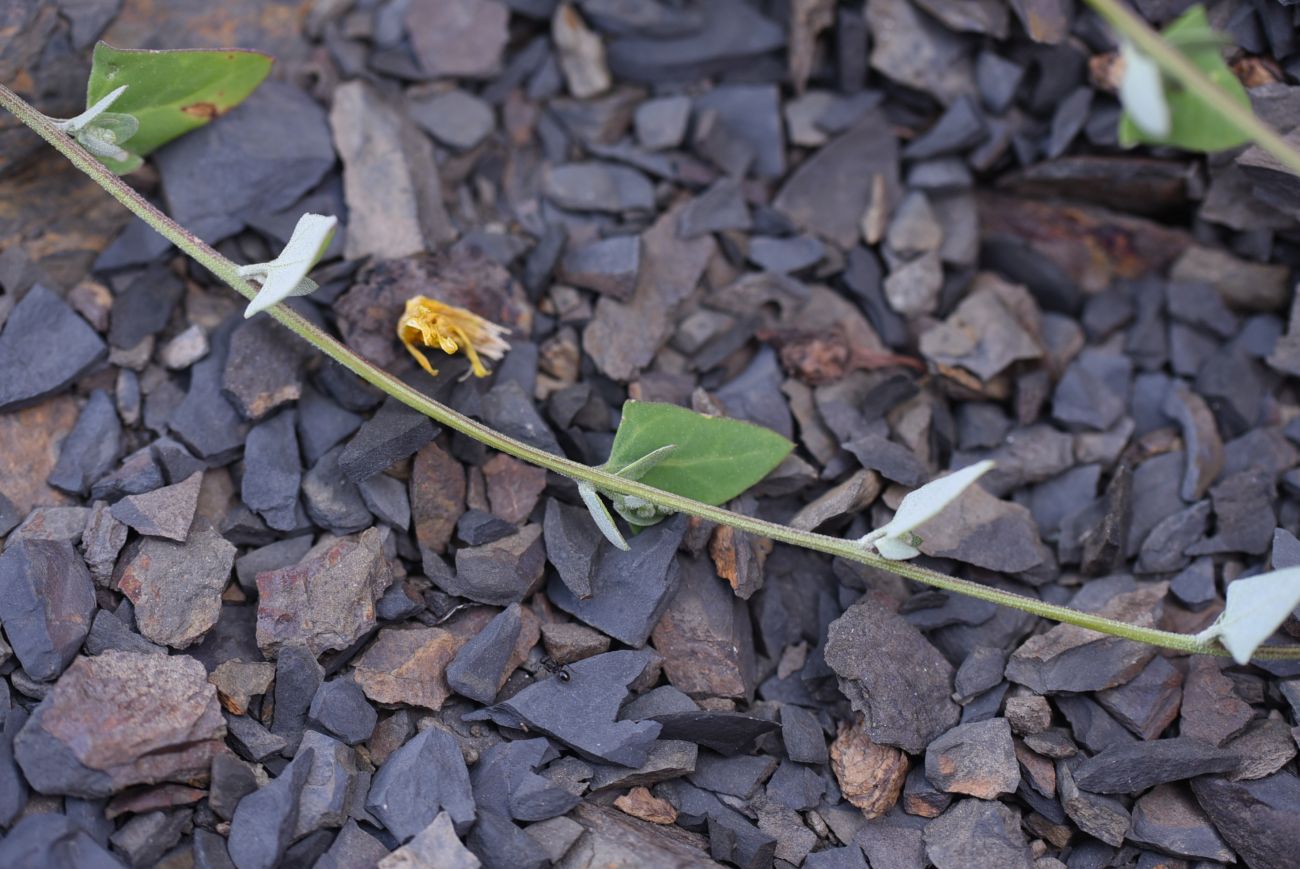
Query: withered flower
point(435, 324)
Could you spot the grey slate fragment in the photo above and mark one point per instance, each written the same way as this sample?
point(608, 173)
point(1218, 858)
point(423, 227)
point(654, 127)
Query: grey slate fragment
point(146, 837)
point(55, 840)
point(91, 449)
point(1164, 549)
point(14, 791)
point(217, 179)
point(661, 122)
point(739, 776)
point(166, 512)
point(394, 433)
point(44, 346)
point(331, 499)
point(232, 780)
point(505, 782)
point(353, 846)
point(734, 839)
point(977, 758)
point(998, 79)
point(1194, 586)
point(804, 739)
point(46, 603)
point(582, 712)
point(1244, 514)
point(894, 461)
point(425, 776)
point(510, 410)
point(387, 498)
point(785, 255)
point(329, 791)
point(437, 845)
point(264, 821)
point(1147, 704)
point(205, 420)
point(109, 634)
point(668, 759)
point(209, 851)
point(724, 732)
point(499, 573)
point(251, 740)
point(977, 833)
point(297, 679)
point(606, 265)
point(1169, 820)
point(497, 842)
point(340, 708)
point(753, 394)
point(905, 698)
point(479, 668)
point(1104, 818)
point(629, 590)
point(62, 524)
point(796, 786)
point(455, 118)
point(1093, 392)
point(961, 126)
point(477, 528)
point(322, 424)
point(1092, 726)
point(272, 556)
point(263, 368)
point(981, 670)
point(1200, 438)
point(273, 471)
point(144, 307)
point(713, 39)
point(1137, 766)
point(719, 208)
point(598, 186)
point(1254, 817)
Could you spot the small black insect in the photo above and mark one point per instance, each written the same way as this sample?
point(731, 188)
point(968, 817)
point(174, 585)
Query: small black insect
point(555, 668)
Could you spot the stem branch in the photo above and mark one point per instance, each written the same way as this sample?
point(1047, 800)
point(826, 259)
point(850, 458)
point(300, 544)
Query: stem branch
point(602, 480)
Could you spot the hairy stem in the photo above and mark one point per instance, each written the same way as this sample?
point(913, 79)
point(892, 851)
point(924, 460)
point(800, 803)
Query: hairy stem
point(602, 480)
point(1173, 63)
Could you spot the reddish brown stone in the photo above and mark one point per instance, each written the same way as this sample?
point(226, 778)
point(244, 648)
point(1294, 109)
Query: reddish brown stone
point(154, 799)
point(513, 487)
point(408, 666)
point(32, 438)
point(1212, 711)
point(871, 776)
point(437, 496)
point(739, 559)
point(238, 682)
point(705, 637)
point(640, 803)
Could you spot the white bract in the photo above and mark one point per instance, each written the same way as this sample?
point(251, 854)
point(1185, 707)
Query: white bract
point(1142, 92)
point(100, 131)
point(895, 539)
point(1256, 606)
point(623, 503)
point(286, 275)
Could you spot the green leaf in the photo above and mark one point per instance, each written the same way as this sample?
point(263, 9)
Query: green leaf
point(173, 92)
point(1195, 125)
point(715, 458)
point(1255, 607)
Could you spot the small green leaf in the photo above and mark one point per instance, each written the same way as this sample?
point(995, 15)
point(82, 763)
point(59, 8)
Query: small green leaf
point(173, 92)
point(286, 275)
point(715, 458)
point(895, 539)
point(1255, 607)
point(1194, 124)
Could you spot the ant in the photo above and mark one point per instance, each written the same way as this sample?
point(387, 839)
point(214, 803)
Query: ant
point(555, 668)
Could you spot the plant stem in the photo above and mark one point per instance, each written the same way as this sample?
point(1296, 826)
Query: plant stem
point(602, 480)
point(1175, 64)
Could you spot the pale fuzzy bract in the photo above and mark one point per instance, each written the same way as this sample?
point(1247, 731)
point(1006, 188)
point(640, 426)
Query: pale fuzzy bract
point(1142, 92)
point(436, 324)
point(895, 539)
point(1255, 607)
point(286, 275)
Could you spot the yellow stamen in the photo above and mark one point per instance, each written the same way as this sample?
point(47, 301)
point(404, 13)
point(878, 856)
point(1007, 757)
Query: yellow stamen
point(435, 324)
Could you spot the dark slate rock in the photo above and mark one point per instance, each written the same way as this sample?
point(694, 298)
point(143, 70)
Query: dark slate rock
point(499, 844)
point(166, 512)
point(977, 833)
point(1244, 515)
point(210, 852)
point(177, 462)
point(661, 122)
point(1231, 384)
point(499, 573)
point(47, 600)
point(232, 780)
point(1164, 549)
point(981, 670)
point(394, 433)
point(91, 449)
point(13, 786)
point(1168, 819)
point(1104, 818)
point(328, 795)
point(1156, 484)
point(353, 846)
point(1148, 703)
point(750, 116)
point(205, 421)
point(297, 679)
point(109, 634)
point(719, 208)
point(754, 394)
point(331, 499)
point(961, 126)
point(387, 498)
point(480, 667)
point(54, 840)
point(738, 776)
point(1068, 120)
point(1200, 438)
point(425, 776)
point(905, 697)
point(272, 556)
point(273, 471)
point(847, 857)
point(1194, 586)
point(339, 707)
point(735, 840)
point(478, 528)
point(146, 837)
point(1254, 817)
point(724, 34)
point(243, 165)
point(506, 784)
point(723, 732)
point(606, 265)
point(455, 118)
point(251, 740)
point(784, 255)
point(804, 739)
point(44, 347)
point(322, 424)
point(1093, 392)
point(582, 711)
point(1137, 766)
point(509, 410)
point(264, 821)
point(144, 307)
point(829, 192)
point(263, 369)
point(629, 590)
point(796, 786)
point(1091, 725)
point(997, 79)
point(896, 462)
point(598, 186)
point(976, 758)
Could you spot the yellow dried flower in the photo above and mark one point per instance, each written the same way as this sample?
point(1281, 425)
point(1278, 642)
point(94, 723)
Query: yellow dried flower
point(435, 324)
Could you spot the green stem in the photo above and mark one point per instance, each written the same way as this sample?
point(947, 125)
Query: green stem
point(1172, 62)
point(602, 480)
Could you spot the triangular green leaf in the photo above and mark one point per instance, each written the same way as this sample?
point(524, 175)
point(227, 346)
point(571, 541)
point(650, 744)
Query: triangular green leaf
point(715, 458)
point(173, 92)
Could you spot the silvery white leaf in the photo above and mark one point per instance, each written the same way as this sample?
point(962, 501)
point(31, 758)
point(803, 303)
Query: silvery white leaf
point(286, 275)
point(601, 515)
point(1255, 607)
point(894, 539)
point(1142, 92)
point(72, 125)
